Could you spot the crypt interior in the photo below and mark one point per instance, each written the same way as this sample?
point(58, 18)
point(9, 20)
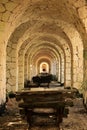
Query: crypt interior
point(37, 35)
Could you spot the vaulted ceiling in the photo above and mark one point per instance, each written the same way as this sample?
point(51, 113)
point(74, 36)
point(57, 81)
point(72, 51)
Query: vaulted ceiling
point(44, 30)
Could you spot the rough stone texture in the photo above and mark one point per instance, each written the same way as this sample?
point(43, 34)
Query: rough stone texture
point(59, 27)
point(21, 71)
point(2, 9)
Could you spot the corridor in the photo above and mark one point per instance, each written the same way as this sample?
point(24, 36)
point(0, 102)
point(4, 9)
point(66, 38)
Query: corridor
point(43, 37)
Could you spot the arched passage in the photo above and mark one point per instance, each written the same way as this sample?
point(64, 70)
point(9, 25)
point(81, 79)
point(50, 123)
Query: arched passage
point(47, 15)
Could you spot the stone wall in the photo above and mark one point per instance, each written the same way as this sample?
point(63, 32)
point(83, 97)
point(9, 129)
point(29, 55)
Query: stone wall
point(28, 26)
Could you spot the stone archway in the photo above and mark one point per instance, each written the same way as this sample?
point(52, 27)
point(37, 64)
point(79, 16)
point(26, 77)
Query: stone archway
point(44, 67)
point(20, 20)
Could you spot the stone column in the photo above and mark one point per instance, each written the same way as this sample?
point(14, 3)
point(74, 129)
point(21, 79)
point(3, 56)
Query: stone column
point(68, 72)
point(62, 71)
point(12, 69)
point(20, 70)
point(85, 64)
point(2, 73)
point(26, 68)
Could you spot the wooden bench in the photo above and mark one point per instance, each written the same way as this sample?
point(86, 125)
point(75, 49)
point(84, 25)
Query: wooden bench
point(34, 103)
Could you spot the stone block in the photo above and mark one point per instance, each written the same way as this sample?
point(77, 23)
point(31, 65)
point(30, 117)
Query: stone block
point(10, 82)
point(82, 12)
point(10, 6)
point(85, 22)
point(13, 72)
point(13, 59)
point(2, 26)
point(6, 16)
point(7, 74)
point(79, 3)
point(2, 8)
point(3, 1)
point(11, 65)
point(8, 59)
point(0, 16)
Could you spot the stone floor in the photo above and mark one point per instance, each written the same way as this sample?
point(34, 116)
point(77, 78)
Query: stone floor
point(77, 118)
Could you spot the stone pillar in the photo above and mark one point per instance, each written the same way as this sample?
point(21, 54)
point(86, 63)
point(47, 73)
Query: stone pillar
point(57, 70)
point(20, 70)
point(77, 69)
point(2, 73)
point(85, 64)
point(26, 68)
point(62, 71)
point(68, 72)
point(12, 69)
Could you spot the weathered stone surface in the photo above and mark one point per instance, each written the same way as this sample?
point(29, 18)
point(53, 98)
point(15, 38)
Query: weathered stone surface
point(83, 12)
point(10, 6)
point(6, 16)
point(0, 16)
point(50, 31)
point(3, 1)
point(2, 25)
point(2, 8)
